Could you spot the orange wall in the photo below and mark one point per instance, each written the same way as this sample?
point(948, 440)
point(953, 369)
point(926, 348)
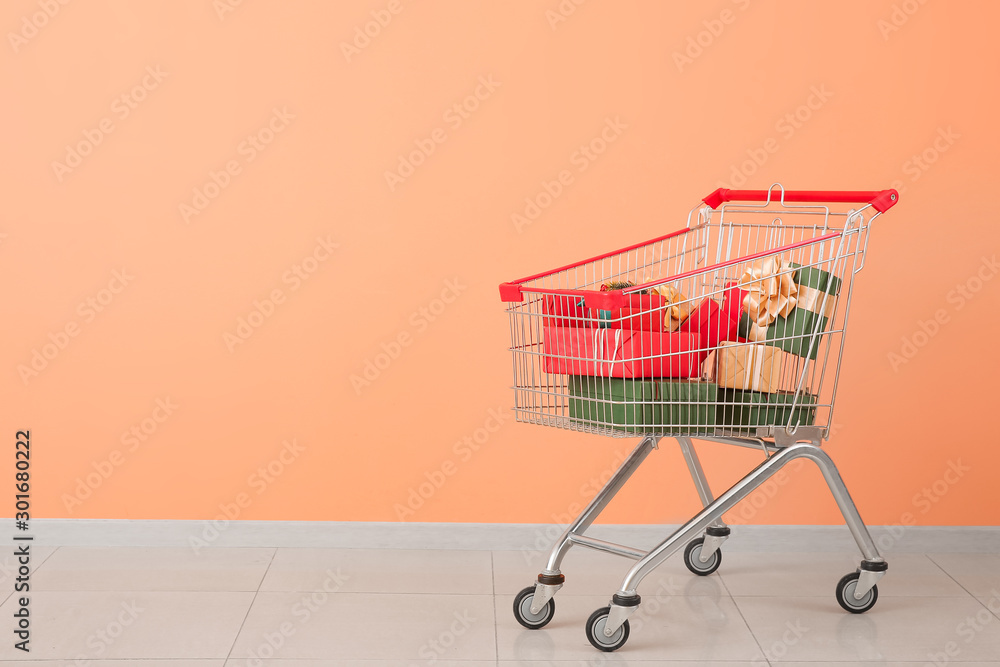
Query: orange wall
point(418, 260)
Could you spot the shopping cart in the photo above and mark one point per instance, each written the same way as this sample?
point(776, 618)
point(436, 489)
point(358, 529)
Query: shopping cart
point(730, 330)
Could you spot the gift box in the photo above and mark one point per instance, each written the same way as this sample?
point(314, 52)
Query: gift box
point(624, 405)
point(731, 311)
point(686, 407)
point(814, 300)
point(677, 306)
point(565, 311)
point(621, 353)
point(741, 412)
point(753, 367)
point(706, 321)
point(635, 318)
point(644, 313)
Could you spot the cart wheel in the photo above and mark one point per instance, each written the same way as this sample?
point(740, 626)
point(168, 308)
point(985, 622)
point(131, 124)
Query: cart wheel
point(692, 554)
point(595, 631)
point(522, 610)
point(845, 594)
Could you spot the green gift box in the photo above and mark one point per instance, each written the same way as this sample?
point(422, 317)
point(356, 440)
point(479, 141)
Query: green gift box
point(687, 406)
point(795, 333)
point(750, 409)
point(621, 404)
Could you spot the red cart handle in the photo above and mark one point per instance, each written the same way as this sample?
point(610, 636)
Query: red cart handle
point(881, 200)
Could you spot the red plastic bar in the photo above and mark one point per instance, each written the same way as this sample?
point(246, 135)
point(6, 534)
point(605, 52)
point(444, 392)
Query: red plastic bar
point(610, 300)
point(881, 200)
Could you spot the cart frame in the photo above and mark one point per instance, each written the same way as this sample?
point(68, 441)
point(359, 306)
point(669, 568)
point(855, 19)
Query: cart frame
point(607, 629)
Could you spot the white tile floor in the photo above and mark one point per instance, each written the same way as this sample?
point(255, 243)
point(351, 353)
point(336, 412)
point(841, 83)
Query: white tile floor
point(307, 607)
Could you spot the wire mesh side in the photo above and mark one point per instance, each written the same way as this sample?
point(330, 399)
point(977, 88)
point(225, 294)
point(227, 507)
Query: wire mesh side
point(605, 373)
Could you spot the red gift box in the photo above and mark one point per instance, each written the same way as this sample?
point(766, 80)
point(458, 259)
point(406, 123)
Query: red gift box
point(707, 321)
point(644, 313)
point(732, 307)
point(622, 353)
point(566, 311)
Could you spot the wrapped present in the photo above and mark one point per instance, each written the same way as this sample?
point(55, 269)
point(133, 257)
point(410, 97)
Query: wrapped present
point(742, 412)
point(621, 353)
point(706, 321)
point(644, 313)
point(624, 405)
point(565, 311)
point(641, 319)
point(677, 309)
point(786, 304)
point(771, 292)
point(731, 311)
point(686, 407)
point(754, 367)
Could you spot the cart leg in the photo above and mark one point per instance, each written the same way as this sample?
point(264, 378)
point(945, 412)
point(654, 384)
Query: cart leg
point(717, 531)
point(872, 568)
point(551, 579)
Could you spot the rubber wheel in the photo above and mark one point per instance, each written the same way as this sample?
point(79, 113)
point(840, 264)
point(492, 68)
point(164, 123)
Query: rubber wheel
point(522, 610)
point(595, 631)
point(845, 594)
point(693, 551)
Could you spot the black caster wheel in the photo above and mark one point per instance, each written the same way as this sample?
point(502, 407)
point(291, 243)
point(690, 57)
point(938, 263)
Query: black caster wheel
point(595, 631)
point(845, 594)
point(522, 610)
point(693, 552)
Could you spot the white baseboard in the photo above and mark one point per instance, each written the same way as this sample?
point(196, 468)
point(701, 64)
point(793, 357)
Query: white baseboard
point(485, 536)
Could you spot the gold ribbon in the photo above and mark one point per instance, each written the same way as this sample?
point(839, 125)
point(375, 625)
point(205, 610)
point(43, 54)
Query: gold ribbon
point(754, 366)
point(677, 311)
point(772, 292)
point(748, 367)
point(811, 299)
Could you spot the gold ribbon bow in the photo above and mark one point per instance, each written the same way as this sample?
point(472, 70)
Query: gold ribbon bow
point(772, 292)
point(677, 311)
